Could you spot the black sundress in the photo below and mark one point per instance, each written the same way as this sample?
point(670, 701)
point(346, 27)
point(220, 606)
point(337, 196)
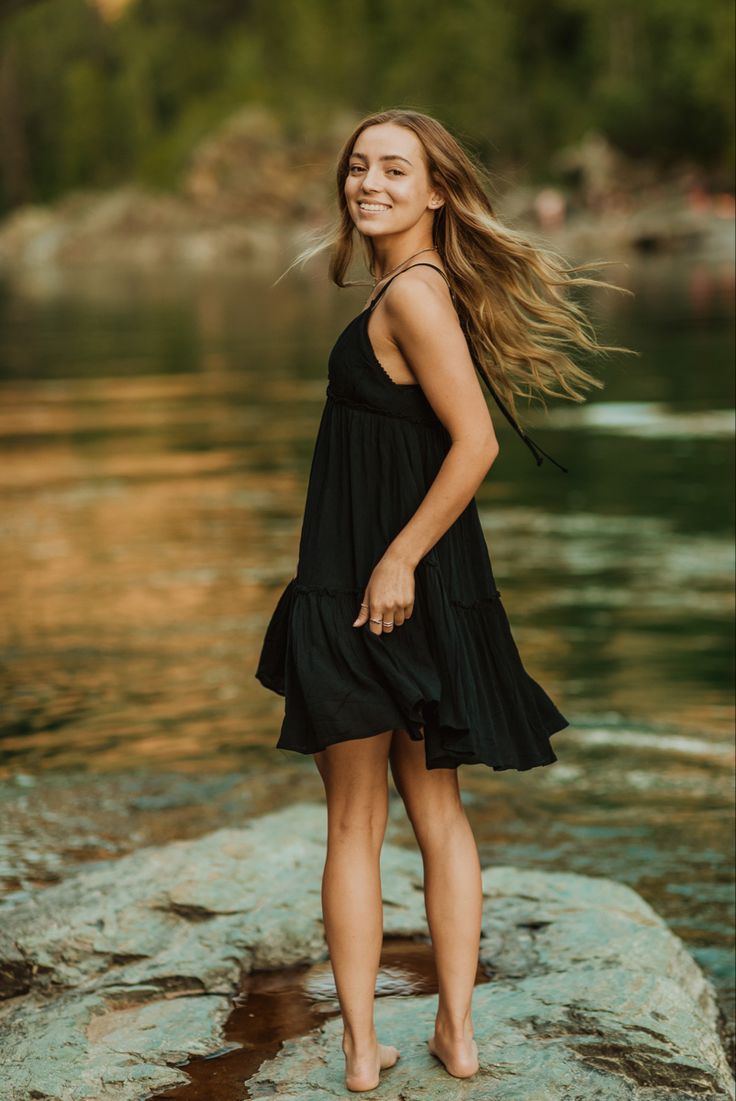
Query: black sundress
point(452, 669)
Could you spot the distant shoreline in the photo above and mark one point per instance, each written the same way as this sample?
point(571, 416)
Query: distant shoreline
point(130, 227)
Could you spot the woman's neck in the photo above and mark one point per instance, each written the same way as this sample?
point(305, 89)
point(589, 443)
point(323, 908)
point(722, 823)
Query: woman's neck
point(394, 258)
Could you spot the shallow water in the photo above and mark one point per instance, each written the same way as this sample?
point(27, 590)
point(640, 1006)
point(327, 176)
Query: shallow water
point(155, 440)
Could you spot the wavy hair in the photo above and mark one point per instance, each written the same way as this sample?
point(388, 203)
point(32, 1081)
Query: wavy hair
point(512, 296)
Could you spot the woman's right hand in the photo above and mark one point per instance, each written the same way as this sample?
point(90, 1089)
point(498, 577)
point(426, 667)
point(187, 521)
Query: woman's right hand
point(388, 596)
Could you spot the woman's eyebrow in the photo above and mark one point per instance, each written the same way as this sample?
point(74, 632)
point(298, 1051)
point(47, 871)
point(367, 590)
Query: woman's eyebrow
point(388, 157)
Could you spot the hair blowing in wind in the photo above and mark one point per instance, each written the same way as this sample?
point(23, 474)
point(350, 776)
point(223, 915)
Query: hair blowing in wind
point(511, 294)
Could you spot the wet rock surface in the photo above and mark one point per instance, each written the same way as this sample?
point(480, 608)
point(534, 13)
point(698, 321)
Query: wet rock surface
point(116, 977)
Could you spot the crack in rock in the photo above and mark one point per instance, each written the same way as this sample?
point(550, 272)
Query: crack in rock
point(644, 1067)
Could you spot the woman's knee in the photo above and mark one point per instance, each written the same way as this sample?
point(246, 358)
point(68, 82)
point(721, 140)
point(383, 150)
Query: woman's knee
point(358, 819)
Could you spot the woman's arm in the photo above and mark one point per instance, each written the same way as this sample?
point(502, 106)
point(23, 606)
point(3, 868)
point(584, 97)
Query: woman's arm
point(423, 324)
point(425, 327)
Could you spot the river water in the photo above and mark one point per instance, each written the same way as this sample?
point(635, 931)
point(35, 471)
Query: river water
point(155, 441)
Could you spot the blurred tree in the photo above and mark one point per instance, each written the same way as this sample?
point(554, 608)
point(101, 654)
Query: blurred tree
point(664, 83)
point(87, 100)
point(16, 175)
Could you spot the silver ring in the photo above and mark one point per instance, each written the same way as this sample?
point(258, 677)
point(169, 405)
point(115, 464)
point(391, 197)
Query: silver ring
point(364, 605)
point(387, 624)
point(375, 621)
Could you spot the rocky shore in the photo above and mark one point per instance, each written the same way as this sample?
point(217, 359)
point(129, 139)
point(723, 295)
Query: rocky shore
point(115, 977)
point(252, 194)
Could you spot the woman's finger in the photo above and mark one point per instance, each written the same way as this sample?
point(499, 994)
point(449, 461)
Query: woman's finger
point(375, 620)
point(363, 613)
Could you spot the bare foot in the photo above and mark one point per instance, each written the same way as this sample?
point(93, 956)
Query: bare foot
point(459, 1057)
point(363, 1072)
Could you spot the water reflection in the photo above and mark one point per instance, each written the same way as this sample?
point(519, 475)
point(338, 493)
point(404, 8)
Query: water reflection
point(155, 443)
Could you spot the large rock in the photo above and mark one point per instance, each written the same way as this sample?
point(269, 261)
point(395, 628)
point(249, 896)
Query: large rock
point(127, 969)
point(253, 167)
point(129, 227)
point(248, 195)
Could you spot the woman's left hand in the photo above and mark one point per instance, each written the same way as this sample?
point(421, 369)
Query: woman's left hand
point(389, 596)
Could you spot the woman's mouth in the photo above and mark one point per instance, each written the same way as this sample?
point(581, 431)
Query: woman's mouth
point(373, 208)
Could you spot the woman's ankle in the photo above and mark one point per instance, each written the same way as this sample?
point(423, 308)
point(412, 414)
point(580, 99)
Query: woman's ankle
point(358, 1045)
point(454, 1029)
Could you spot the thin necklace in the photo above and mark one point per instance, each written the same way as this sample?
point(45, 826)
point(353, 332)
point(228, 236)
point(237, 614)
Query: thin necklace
point(377, 281)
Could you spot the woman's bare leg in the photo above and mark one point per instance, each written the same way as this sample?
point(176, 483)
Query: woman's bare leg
point(355, 776)
point(453, 895)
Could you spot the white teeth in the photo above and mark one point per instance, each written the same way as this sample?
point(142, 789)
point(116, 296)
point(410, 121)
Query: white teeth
point(372, 206)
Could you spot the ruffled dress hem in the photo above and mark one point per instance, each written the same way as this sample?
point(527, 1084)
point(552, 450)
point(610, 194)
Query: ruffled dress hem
point(444, 686)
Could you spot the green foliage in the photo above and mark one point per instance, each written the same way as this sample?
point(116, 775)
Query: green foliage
point(87, 102)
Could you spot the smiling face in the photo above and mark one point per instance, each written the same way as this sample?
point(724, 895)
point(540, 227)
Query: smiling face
point(387, 188)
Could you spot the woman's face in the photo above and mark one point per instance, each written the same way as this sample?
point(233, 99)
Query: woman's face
point(387, 188)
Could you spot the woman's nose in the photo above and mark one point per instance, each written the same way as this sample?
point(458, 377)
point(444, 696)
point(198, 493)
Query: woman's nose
point(368, 183)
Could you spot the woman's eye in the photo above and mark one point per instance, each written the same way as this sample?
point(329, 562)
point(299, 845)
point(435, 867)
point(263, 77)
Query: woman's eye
point(359, 166)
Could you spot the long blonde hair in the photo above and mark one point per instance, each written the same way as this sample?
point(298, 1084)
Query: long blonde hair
point(510, 294)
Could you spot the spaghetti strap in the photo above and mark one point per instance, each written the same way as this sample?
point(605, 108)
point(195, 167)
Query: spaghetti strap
point(419, 264)
point(535, 449)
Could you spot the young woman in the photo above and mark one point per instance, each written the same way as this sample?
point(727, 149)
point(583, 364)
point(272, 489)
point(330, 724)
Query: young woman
point(391, 643)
